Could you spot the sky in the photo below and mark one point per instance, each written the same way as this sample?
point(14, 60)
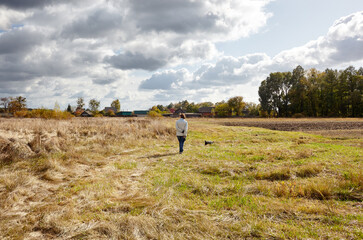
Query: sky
point(153, 52)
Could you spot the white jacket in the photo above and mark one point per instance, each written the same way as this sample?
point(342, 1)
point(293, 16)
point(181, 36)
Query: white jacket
point(181, 127)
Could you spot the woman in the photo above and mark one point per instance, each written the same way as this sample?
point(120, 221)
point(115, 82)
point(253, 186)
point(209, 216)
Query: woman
point(181, 131)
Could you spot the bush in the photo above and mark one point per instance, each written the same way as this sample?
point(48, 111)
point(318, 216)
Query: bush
point(298, 115)
point(154, 114)
point(44, 113)
point(21, 114)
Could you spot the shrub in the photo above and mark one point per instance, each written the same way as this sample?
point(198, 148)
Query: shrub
point(154, 114)
point(298, 115)
point(21, 114)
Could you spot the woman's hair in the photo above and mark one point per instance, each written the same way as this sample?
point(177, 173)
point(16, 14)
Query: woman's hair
point(182, 115)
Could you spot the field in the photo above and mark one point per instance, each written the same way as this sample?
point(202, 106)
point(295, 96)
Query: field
point(116, 178)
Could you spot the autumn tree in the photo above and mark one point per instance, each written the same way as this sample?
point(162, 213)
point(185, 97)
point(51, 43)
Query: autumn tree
point(116, 104)
point(17, 104)
point(80, 103)
point(94, 105)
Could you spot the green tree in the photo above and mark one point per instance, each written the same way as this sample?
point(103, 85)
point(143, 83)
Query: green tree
point(236, 105)
point(252, 108)
point(313, 91)
point(116, 104)
point(80, 103)
point(329, 93)
point(94, 105)
point(297, 93)
point(69, 108)
point(171, 105)
point(265, 97)
point(223, 110)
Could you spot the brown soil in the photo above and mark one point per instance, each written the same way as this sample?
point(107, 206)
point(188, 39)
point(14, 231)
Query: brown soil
point(328, 127)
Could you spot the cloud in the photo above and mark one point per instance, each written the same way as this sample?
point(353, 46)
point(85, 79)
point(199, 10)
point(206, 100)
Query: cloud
point(19, 40)
point(130, 60)
point(95, 23)
point(8, 17)
point(166, 80)
point(23, 4)
point(221, 20)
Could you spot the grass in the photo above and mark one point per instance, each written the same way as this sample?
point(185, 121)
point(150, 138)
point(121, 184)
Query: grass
point(123, 179)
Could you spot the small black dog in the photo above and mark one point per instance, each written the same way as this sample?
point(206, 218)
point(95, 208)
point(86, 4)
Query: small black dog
point(208, 142)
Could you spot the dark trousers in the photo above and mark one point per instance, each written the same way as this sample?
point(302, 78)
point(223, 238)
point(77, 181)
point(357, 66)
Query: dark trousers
point(181, 140)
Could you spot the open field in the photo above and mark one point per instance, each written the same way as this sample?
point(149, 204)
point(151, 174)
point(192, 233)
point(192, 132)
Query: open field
point(123, 179)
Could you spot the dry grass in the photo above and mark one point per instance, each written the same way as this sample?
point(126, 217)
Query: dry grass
point(123, 179)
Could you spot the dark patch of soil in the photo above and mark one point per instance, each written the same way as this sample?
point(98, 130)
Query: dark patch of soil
point(301, 126)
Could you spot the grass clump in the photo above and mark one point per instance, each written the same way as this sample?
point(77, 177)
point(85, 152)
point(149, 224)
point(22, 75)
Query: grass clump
point(276, 175)
point(308, 171)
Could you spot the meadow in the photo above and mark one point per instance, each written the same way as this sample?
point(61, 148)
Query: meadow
point(117, 178)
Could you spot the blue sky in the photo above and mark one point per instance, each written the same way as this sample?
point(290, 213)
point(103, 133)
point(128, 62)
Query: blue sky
point(160, 51)
point(294, 23)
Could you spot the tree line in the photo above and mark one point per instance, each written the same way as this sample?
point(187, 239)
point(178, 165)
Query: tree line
point(312, 93)
point(234, 106)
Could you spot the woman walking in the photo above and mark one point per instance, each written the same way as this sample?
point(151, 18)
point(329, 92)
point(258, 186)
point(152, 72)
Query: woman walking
point(181, 131)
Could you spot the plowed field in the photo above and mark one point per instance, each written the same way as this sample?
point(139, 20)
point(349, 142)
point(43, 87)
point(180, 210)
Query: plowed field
point(330, 127)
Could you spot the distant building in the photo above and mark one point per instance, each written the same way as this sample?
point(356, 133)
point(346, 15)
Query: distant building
point(206, 111)
point(107, 109)
point(86, 114)
point(141, 113)
point(124, 114)
point(177, 112)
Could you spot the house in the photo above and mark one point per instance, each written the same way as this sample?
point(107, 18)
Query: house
point(86, 114)
point(177, 112)
point(107, 109)
point(141, 113)
point(207, 111)
point(124, 114)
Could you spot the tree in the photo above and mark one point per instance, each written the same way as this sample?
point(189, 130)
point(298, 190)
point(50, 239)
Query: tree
point(94, 105)
point(160, 107)
point(5, 103)
point(116, 104)
point(265, 97)
point(205, 104)
point(110, 113)
point(69, 108)
point(17, 104)
point(297, 93)
point(223, 110)
point(80, 103)
point(236, 105)
point(170, 106)
point(252, 108)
